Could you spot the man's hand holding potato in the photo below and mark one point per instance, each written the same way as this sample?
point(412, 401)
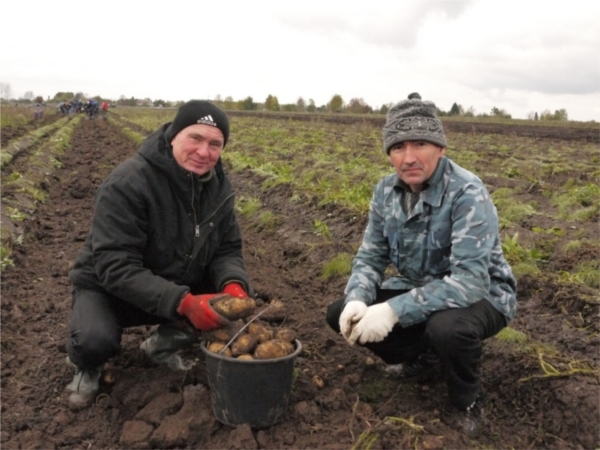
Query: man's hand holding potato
point(198, 309)
point(235, 290)
point(210, 311)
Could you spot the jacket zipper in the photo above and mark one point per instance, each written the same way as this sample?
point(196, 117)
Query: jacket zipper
point(198, 225)
point(197, 233)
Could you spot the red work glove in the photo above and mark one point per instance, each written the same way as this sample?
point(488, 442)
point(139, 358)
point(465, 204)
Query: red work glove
point(198, 310)
point(235, 290)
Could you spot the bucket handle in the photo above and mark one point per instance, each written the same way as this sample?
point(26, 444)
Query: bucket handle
point(244, 327)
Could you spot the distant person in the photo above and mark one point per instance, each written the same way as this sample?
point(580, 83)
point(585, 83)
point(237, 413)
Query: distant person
point(104, 108)
point(436, 223)
point(92, 108)
point(39, 112)
point(164, 241)
point(65, 107)
point(75, 105)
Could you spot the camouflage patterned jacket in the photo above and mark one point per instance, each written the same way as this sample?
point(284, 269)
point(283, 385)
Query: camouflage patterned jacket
point(447, 250)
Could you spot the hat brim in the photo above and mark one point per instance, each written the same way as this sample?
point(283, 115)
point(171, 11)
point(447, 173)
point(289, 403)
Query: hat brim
point(414, 136)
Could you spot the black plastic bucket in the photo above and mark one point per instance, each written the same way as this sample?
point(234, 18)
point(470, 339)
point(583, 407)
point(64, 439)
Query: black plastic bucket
point(252, 392)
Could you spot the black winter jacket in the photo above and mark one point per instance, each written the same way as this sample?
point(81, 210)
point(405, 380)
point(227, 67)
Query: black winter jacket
point(158, 232)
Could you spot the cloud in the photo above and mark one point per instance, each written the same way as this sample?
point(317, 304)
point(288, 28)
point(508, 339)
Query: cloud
point(383, 25)
point(549, 49)
point(513, 54)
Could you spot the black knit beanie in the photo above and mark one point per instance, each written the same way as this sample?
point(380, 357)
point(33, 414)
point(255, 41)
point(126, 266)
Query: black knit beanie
point(412, 120)
point(198, 111)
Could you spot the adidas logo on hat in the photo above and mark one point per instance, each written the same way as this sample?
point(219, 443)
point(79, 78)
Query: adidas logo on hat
point(207, 120)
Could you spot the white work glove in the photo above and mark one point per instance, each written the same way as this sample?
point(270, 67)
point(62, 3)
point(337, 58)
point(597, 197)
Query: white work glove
point(352, 313)
point(375, 325)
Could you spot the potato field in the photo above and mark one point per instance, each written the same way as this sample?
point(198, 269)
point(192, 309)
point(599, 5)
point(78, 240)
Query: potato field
point(303, 185)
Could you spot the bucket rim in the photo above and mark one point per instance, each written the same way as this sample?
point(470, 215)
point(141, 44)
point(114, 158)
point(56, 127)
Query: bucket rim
point(296, 352)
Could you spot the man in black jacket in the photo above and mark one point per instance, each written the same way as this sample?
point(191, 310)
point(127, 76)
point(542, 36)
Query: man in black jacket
point(164, 241)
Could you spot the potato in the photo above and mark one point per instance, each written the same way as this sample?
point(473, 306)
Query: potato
point(216, 347)
point(265, 336)
point(110, 375)
point(246, 357)
point(255, 328)
point(261, 333)
point(286, 334)
point(234, 308)
point(243, 344)
point(318, 381)
point(275, 348)
point(227, 331)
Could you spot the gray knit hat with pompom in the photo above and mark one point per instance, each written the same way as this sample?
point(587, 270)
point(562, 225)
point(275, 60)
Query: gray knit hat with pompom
point(412, 120)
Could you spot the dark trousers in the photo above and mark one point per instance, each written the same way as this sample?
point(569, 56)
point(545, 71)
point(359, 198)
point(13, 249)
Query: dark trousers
point(97, 324)
point(455, 334)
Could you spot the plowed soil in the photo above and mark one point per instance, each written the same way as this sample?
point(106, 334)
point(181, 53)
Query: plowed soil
point(357, 405)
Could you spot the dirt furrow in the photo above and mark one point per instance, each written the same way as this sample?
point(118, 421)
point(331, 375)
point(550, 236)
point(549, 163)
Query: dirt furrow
point(285, 263)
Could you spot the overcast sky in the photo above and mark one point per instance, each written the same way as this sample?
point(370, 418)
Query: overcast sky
point(521, 56)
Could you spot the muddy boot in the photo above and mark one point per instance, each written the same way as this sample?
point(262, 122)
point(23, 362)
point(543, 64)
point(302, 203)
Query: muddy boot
point(470, 419)
point(84, 386)
point(164, 343)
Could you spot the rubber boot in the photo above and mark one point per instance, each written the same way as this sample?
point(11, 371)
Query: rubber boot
point(164, 343)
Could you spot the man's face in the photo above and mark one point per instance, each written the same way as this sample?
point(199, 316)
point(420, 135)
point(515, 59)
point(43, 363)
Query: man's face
point(197, 148)
point(415, 162)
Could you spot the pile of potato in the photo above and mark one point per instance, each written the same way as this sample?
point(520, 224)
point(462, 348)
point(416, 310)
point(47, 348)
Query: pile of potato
point(255, 341)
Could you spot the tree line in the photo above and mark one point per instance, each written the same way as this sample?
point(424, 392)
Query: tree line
point(335, 105)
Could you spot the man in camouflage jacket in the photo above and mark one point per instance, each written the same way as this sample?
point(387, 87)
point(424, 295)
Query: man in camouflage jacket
point(436, 224)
